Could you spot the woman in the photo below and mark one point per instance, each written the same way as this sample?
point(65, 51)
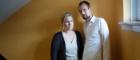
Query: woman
point(67, 44)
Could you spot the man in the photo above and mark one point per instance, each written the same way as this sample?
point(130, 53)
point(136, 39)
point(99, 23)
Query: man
point(96, 34)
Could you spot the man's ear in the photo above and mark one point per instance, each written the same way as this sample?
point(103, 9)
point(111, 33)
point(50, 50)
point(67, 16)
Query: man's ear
point(90, 10)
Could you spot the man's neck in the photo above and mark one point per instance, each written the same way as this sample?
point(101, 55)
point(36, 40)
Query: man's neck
point(89, 19)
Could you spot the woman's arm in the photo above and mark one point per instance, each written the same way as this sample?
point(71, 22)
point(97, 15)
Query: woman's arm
point(55, 47)
point(80, 43)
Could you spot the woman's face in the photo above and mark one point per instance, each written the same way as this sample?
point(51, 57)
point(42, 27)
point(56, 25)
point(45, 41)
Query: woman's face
point(68, 23)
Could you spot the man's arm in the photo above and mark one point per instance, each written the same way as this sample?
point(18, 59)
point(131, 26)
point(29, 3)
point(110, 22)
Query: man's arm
point(104, 33)
point(104, 29)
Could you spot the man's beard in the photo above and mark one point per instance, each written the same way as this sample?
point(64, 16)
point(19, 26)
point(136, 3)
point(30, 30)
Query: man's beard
point(86, 17)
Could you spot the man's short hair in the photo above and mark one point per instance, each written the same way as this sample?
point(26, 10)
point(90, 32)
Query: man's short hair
point(84, 2)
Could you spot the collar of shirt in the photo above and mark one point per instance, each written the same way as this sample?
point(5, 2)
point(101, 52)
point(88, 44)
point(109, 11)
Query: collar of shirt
point(91, 21)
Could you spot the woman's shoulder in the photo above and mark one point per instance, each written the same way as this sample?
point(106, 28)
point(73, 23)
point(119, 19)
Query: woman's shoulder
point(77, 32)
point(58, 33)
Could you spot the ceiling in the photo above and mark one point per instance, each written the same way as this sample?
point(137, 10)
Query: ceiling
point(9, 7)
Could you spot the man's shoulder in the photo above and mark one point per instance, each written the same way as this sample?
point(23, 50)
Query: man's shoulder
point(101, 19)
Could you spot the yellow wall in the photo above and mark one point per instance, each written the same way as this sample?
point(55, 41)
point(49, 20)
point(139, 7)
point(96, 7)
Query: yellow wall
point(27, 34)
point(130, 41)
point(130, 45)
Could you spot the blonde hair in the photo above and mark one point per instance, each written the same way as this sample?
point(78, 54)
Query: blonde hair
point(66, 14)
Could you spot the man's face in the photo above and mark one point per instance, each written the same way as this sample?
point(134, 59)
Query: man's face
point(85, 11)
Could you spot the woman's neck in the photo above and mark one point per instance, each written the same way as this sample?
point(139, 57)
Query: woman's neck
point(67, 31)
